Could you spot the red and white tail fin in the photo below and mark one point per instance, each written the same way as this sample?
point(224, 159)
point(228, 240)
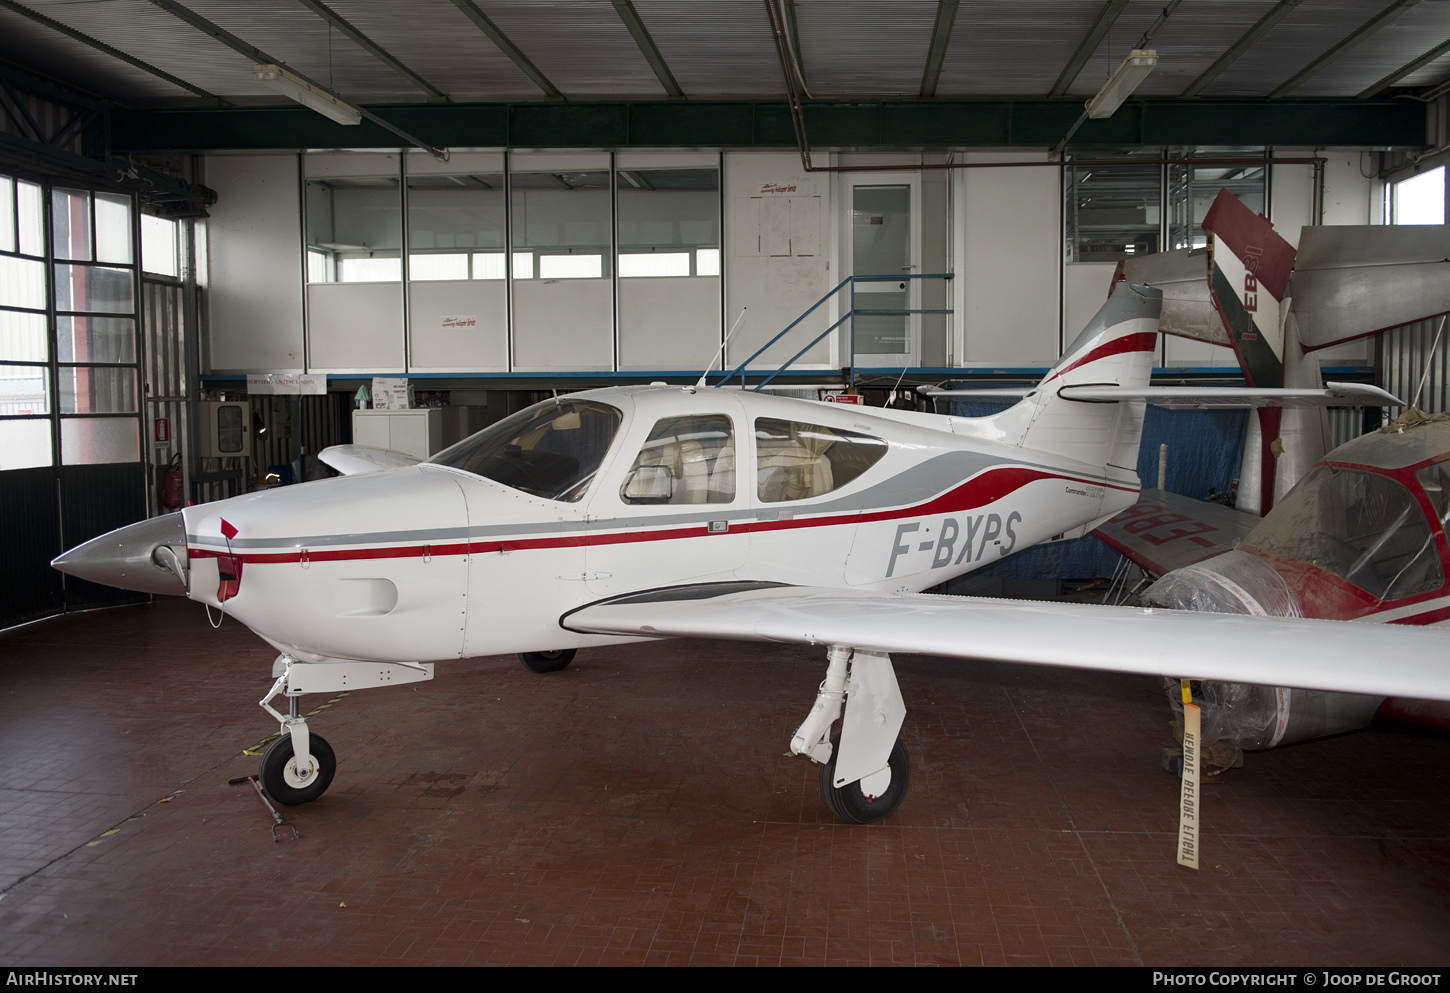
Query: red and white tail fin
point(1249, 281)
point(1116, 348)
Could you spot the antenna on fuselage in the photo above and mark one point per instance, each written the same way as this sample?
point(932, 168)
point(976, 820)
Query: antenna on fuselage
point(721, 352)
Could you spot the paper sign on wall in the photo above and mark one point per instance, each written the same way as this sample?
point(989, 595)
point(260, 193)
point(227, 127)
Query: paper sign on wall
point(281, 384)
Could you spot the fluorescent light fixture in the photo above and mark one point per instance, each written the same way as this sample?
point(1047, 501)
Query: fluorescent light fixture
point(293, 87)
point(1121, 84)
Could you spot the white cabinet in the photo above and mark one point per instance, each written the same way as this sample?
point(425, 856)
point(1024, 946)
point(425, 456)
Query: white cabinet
point(418, 433)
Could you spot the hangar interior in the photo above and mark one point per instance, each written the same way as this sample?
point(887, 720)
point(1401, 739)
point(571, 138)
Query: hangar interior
point(202, 271)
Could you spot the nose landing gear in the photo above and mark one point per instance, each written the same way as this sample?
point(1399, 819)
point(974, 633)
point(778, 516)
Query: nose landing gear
point(298, 767)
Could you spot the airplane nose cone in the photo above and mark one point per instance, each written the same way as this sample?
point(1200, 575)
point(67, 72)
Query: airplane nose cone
point(149, 556)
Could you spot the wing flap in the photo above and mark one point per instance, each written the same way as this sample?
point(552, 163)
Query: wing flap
point(1337, 656)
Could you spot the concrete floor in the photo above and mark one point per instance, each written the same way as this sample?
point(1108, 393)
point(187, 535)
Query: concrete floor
point(638, 808)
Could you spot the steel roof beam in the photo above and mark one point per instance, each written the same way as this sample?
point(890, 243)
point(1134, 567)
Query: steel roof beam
point(372, 48)
point(1250, 37)
point(1087, 46)
point(1366, 29)
point(936, 53)
point(114, 53)
point(647, 47)
point(480, 19)
point(1405, 70)
point(259, 57)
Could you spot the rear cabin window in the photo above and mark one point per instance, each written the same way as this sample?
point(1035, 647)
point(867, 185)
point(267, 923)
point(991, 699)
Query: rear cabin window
point(796, 461)
point(551, 450)
point(685, 460)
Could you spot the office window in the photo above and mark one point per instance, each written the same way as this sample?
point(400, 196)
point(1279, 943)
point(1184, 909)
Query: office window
point(1192, 190)
point(1112, 212)
point(557, 215)
point(355, 230)
point(669, 222)
point(452, 217)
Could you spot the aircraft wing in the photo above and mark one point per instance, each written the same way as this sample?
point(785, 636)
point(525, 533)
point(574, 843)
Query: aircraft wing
point(1338, 656)
point(1165, 531)
point(1194, 397)
point(353, 459)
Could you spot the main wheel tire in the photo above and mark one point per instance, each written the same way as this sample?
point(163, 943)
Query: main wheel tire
point(290, 784)
point(546, 661)
point(850, 804)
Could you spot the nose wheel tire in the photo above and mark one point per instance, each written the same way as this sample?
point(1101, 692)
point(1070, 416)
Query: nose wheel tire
point(546, 661)
point(290, 782)
point(850, 804)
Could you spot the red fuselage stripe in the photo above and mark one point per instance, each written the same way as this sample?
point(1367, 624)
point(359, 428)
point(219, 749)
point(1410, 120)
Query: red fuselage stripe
point(987, 488)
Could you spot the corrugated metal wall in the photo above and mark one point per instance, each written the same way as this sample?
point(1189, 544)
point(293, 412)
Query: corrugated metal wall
point(1409, 355)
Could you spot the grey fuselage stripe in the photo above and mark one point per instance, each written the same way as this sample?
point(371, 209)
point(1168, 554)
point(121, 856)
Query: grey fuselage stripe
point(919, 484)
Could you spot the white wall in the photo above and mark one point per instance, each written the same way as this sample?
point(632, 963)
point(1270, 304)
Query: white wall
point(254, 244)
point(1009, 253)
point(1016, 299)
point(776, 253)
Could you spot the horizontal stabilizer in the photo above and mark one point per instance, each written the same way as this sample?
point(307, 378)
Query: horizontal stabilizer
point(1183, 276)
point(1338, 656)
point(353, 459)
point(1165, 531)
point(1353, 280)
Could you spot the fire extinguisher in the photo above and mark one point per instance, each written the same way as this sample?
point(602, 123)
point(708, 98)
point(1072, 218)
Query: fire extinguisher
point(171, 486)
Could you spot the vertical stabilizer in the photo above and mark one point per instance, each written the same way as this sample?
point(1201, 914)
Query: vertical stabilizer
point(1249, 281)
point(1116, 348)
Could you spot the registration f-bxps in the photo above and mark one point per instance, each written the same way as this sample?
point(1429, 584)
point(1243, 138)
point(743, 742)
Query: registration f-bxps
point(645, 512)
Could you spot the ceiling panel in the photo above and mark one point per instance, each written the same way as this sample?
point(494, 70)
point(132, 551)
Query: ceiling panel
point(996, 51)
point(25, 43)
point(863, 47)
point(443, 46)
point(716, 49)
point(725, 53)
point(580, 45)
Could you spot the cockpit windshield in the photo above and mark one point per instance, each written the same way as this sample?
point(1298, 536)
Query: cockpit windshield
point(551, 450)
point(1362, 527)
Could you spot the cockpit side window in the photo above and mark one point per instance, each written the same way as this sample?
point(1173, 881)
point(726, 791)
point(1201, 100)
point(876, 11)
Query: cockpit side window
point(796, 461)
point(1362, 527)
point(551, 450)
point(685, 460)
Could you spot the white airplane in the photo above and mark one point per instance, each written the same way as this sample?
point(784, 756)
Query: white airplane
point(634, 513)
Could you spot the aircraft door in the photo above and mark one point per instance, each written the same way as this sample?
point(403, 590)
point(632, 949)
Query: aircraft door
point(673, 509)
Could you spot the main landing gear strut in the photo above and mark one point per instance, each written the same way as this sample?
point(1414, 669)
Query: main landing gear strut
point(864, 769)
point(298, 767)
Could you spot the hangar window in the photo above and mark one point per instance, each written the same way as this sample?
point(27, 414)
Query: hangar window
point(685, 460)
point(79, 363)
point(795, 461)
point(669, 222)
point(1419, 199)
point(551, 450)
